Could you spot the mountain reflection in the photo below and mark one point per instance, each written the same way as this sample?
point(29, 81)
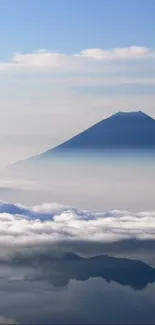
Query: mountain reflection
point(61, 269)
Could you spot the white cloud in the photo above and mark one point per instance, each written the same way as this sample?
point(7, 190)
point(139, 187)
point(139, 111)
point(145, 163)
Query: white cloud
point(128, 53)
point(22, 228)
point(51, 61)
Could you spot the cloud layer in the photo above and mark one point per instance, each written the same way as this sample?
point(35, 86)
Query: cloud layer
point(46, 225)
point(43, 60)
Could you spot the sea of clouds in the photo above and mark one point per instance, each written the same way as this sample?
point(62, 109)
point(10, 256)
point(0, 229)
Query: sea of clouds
point(24, 230)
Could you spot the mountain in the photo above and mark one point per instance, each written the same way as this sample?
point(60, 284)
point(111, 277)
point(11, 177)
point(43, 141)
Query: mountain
point(121, 130)
point(59, 270)
point(131, 130)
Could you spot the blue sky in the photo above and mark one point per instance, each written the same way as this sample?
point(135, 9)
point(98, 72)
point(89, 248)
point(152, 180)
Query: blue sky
point(70, 25)
point(98, 58)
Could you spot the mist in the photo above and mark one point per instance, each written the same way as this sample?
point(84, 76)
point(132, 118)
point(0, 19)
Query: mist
point(125, 181)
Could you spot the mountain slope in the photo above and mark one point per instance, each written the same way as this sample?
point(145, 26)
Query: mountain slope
point(121, 130)
point(134, 130)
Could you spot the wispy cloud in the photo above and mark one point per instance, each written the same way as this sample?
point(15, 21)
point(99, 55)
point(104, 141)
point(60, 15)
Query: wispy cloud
point(6, 320)
point(127, 53)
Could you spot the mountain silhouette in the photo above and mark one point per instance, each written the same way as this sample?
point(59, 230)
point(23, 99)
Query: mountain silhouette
point(119, 131)
point(59, 270)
